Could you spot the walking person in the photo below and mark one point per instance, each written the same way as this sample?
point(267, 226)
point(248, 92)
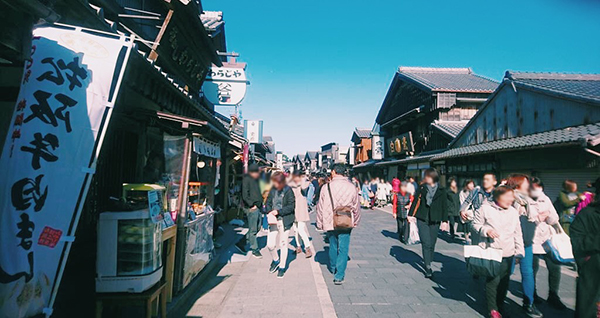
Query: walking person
point(585, 238)
point(477, 197)
point(430, 207)
point(528, 215)
point(299, 186)
point(547, 222)
point(338, 194)
point(453, 208)
point(403, 200)
point(467, 191)
point(567, 201)
point(499, 227)
point(366, 194)
point(280, 207)
point(411, 185)
point(253, 203)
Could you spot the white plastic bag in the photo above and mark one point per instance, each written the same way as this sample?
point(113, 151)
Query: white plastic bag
point(413, 237)
point(558, 246)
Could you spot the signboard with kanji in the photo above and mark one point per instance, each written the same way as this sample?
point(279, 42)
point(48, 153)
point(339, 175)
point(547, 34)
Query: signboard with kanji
point(67, 93)
point(225, 86)
point(401, 145)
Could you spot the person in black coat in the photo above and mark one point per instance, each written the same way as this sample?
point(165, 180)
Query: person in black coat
point(585, 239)
point(430, 207)
point(280, 210)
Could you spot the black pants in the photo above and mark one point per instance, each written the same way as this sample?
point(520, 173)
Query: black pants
point(428, 234)
point(402, 229)
point(588, 293)
point(453, 220)
point(497, 287)
point(553, 271)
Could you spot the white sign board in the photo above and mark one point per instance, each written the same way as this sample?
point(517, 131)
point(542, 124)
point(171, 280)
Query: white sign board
point(377, 144)
point(225, 86)
point(253, 131)
point(64, 105)
point(207, 148)
point(279, 160)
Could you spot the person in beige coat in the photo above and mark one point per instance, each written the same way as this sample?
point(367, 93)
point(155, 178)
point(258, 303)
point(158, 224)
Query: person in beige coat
point(342, 193)
point(299, 186)
point(499, 226)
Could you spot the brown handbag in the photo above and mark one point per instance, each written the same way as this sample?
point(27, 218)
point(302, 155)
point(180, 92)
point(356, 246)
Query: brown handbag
point(342, 216)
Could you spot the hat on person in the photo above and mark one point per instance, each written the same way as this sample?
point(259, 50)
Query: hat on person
point(253, 168)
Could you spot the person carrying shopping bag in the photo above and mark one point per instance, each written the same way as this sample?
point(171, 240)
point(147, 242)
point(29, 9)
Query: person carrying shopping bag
point(430, 208)
point(280, 207)
point(499, 227)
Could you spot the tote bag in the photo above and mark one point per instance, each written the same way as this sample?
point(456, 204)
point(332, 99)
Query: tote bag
point(483, 261)
point(558, 246)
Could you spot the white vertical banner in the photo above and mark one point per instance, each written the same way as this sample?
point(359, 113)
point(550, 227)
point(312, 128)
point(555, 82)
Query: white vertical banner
point(67, 93)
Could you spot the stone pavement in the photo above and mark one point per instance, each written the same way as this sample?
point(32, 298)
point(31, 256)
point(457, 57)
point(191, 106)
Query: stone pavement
point(385, 279)
point(243, 287)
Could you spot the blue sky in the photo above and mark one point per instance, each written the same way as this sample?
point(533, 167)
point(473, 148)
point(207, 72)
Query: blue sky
point(320, 68)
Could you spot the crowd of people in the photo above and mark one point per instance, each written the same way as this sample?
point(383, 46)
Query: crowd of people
point(513, 216)
point(516, 217)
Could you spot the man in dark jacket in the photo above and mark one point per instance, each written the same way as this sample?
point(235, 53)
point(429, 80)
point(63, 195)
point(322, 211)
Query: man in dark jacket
point(253, 203)
point(585, 238)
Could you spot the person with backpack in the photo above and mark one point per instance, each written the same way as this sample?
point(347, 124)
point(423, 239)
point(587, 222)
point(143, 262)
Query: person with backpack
point(280, 208)
point(430, 207)
point(338, 212)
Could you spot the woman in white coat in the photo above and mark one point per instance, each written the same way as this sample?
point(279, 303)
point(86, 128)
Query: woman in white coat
point(299, 186)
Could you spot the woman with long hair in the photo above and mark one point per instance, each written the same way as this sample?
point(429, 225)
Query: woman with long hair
point(430, 207)
point(299, 186)
point(280, 208)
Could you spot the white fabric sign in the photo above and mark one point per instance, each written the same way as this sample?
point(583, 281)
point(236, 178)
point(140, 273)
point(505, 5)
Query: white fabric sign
point(64, 105)
point(207, 148)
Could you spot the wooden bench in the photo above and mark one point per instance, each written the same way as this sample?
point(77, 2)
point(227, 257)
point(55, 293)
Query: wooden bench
point(147, 298)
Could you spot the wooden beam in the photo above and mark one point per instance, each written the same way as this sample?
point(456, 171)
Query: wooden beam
point(153, 54)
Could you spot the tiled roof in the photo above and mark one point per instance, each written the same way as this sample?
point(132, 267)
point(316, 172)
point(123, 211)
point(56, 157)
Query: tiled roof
point(212, 20)
point(586, 86)
point(363, 132)
point(448, 79)
point(450, 128)
point(584, 135)
point(312, 154)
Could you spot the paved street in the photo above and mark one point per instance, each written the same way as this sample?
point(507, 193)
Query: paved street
point(384, 279)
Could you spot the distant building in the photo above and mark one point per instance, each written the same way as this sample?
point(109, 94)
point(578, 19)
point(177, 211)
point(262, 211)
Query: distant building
point(272, 154)
point(311, 159)
point(361, 146)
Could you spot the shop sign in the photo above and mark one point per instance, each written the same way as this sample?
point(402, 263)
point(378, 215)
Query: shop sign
point(225, 86)
point(377, 146)
point(253, 131)
point(65, 100)
point(207, 148)
point(401, 145)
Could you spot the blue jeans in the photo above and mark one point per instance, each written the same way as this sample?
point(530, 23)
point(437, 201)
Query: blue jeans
point(527, 277)
point(339, 244)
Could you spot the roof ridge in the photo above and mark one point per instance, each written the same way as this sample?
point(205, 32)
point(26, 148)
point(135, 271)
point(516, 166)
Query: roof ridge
point(440, 70)
point(519, 75)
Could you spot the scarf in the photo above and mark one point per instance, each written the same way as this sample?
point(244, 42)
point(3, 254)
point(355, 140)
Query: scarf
point(431, 189)
point(523, 204)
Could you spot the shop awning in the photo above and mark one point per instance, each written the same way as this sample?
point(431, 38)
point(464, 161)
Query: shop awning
point(585, 135)
point(365, 164)
point(423, 157)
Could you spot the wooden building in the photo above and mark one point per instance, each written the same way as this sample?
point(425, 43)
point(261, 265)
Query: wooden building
point(543, 124)
point(423, 110)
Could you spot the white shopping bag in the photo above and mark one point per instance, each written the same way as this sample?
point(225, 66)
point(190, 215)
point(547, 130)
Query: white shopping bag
point(413, 237)
point(558, 246)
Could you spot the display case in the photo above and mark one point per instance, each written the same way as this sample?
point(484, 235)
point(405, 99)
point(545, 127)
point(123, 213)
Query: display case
point(129, 252)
